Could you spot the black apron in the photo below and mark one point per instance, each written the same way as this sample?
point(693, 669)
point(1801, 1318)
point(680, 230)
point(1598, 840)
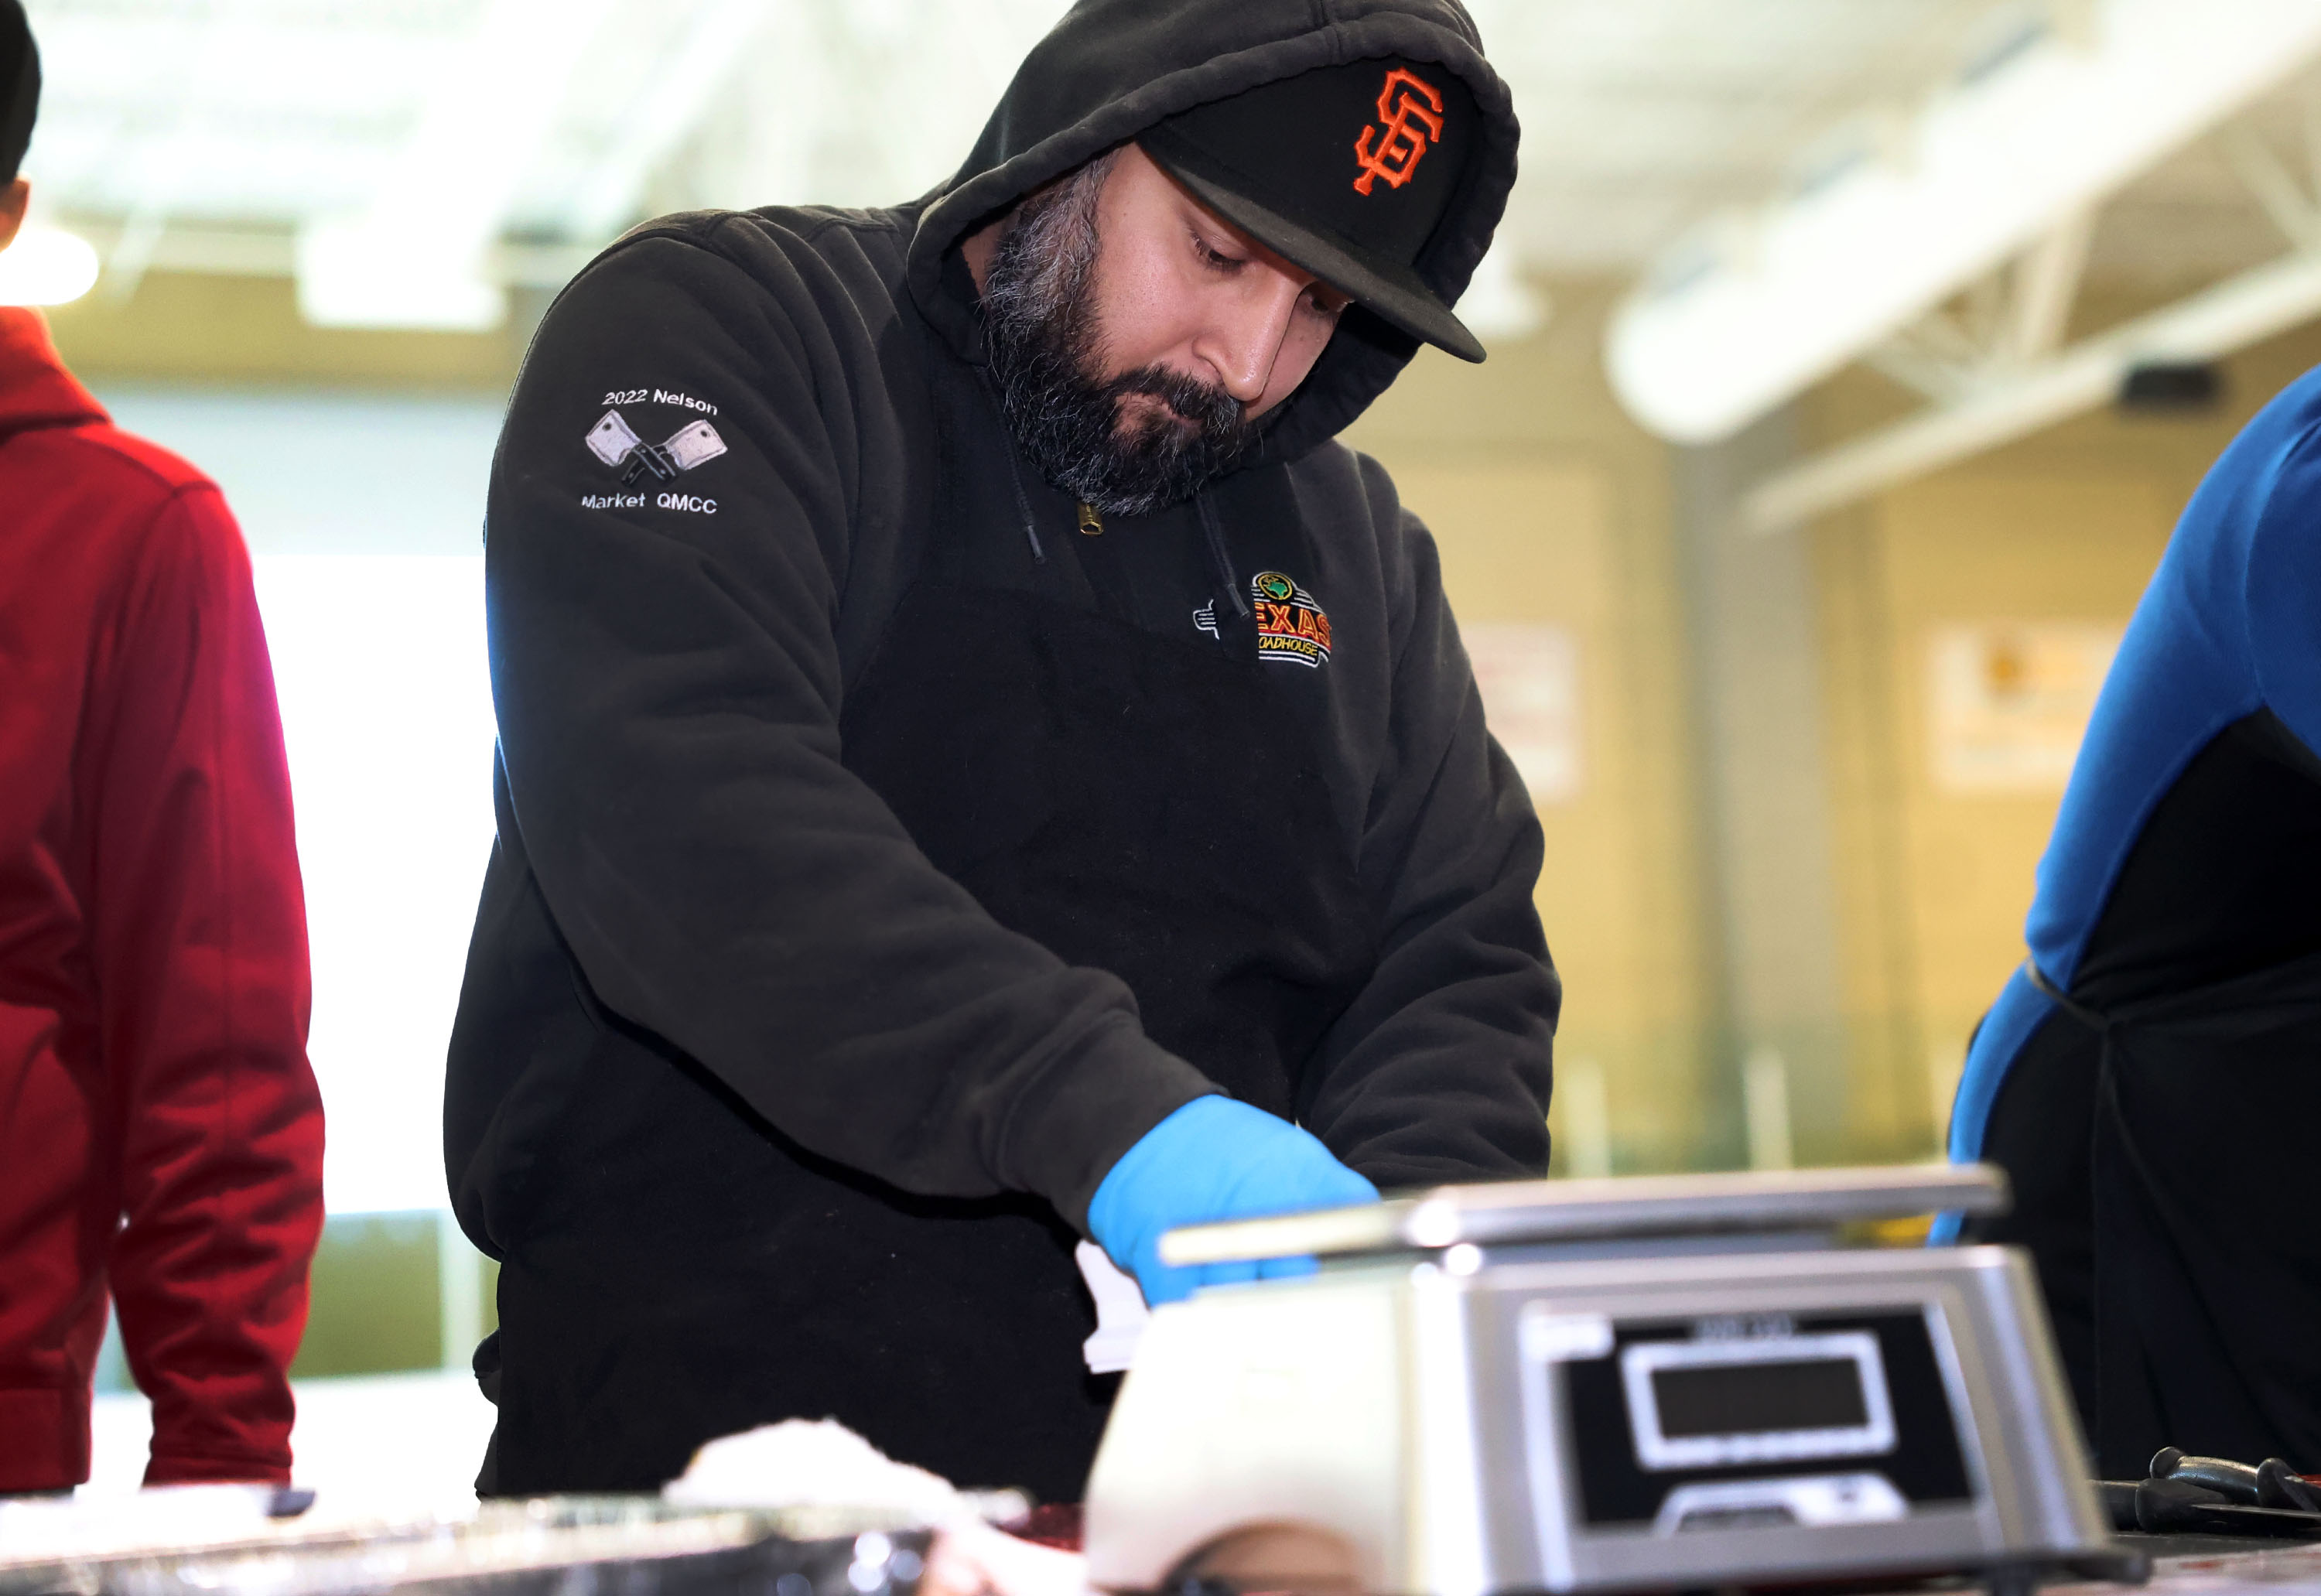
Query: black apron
point(1141, 803)
point(2205, 1161)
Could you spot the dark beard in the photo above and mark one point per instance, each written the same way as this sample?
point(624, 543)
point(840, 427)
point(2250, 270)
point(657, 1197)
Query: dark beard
point(1040, 326)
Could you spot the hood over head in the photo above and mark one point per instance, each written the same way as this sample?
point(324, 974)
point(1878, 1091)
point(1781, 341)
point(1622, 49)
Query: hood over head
point(1112, 68)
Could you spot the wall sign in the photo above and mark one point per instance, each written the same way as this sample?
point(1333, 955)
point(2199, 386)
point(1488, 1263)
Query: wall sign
point(1528, 672)
point(2007, 701)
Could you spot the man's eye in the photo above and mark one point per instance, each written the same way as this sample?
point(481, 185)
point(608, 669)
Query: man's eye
point(1214, 259)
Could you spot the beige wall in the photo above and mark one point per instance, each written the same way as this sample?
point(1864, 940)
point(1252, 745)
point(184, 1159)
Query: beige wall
point(1934, 886)
point(1548, 505)
point(182, 327)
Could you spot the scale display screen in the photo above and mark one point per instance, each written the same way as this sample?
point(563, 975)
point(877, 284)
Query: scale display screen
point(1666, 1418)
point(1745, 1399)
point(1717, 1402)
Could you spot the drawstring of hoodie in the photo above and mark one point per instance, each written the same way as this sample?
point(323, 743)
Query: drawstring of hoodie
point(1015, 467)
point(1212, 527)
point(1215, 533)
point(1023, 505)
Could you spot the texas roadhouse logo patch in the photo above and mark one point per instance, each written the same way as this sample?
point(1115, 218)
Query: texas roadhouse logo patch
point(1290, 626)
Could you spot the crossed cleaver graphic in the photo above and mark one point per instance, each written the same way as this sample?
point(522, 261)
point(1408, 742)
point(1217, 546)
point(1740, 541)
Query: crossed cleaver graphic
point(613, 441)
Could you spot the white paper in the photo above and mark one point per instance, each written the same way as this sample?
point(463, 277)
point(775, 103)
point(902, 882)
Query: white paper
point(812, 1462)
point(1121, 1314)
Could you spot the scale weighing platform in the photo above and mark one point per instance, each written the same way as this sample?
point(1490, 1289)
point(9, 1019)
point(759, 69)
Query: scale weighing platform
point(1671, 1382)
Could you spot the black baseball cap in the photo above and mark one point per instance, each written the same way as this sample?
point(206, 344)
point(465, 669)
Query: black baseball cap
point(1346, 170)
point(19, 88)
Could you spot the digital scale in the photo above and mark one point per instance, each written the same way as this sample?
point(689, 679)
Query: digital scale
point(1676, 1383)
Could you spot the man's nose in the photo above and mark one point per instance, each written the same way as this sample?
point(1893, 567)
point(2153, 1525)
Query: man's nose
point(1242, 346)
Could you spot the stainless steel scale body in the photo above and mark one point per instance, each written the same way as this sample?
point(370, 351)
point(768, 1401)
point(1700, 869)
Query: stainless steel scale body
point(1598, 1385)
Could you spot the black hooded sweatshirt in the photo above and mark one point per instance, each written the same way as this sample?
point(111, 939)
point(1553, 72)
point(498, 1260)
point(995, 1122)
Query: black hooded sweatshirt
point(769, 1088)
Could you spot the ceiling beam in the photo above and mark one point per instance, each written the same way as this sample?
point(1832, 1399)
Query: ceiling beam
point(2284, 196)
point(2212, 324)
point(2046, 283)
point(1988, 168)
point(2015, 318)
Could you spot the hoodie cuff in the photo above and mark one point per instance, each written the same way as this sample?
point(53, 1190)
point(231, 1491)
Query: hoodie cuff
point(43, 1438)
point(1090, 1107)
point(173, 1468)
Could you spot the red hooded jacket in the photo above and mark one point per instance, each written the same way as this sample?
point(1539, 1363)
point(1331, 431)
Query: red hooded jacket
point(159, 1128)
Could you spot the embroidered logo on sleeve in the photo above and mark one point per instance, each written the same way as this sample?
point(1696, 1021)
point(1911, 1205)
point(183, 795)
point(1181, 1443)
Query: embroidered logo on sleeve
point(615, 444)
point(614, 441)
point(1290, 626)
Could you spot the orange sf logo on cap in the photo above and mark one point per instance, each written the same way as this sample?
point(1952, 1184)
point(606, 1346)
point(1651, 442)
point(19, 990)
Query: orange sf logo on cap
point(1412, 123)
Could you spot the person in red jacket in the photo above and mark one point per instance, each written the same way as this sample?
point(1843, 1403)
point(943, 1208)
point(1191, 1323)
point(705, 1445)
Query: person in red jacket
point(160, 1133)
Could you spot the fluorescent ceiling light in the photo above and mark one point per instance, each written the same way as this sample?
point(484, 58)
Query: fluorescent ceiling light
point(353, 273)
point(46, 266)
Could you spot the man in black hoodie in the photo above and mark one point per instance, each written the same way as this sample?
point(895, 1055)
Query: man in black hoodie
point(978, 765)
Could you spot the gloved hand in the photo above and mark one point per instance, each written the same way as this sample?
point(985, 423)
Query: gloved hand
point(1214, 1159)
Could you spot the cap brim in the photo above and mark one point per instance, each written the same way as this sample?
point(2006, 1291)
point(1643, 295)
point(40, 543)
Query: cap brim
point(1394, 293)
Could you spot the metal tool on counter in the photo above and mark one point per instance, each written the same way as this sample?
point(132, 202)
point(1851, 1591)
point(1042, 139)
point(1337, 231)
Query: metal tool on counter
point(2272, 1483)
point(2215, 1496)
point(1600, 1385)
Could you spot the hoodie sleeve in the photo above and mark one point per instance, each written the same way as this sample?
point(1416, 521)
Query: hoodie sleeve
point(199, 944)
point(1439, 1070)
point(667, 676)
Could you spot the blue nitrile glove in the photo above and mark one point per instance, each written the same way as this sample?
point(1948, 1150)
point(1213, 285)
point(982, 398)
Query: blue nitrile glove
point(1214, 1159)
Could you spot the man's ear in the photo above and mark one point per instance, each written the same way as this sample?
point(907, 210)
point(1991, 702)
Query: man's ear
point(979, 246)
point(11, 210)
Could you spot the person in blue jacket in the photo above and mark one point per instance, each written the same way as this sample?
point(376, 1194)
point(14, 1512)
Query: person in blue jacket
point(2151, 1077)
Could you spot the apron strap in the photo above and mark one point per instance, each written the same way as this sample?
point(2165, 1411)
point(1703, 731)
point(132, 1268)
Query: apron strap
point(2094, 1019)
point(2202, 1299)
point(2109, 1113)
